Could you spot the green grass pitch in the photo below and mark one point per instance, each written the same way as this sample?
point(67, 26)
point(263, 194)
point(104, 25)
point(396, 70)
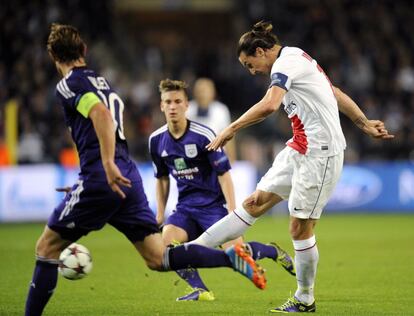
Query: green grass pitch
point(366, 268)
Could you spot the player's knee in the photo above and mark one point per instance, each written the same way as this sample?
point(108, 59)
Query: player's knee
point(45, 248)
point(301, 229)
point(295, 232)
point(253, 210)
point(154, 263)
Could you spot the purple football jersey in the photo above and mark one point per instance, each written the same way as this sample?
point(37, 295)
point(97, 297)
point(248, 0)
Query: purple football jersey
point(194, 167)
point(69, 91)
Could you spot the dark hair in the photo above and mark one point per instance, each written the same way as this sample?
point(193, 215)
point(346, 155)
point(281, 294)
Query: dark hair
point(65, 43)
point(260, 36)
point(172, 85)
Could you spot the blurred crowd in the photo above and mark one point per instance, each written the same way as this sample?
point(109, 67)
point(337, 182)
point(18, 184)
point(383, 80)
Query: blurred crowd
point(364, 47)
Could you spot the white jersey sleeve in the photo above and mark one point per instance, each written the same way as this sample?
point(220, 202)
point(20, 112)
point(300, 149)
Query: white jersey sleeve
point(309, 102)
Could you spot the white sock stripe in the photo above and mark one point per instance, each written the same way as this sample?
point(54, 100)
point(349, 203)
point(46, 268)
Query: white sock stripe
point(47, 260)
point(301, 245)
point(166, 260)
point(306, 248)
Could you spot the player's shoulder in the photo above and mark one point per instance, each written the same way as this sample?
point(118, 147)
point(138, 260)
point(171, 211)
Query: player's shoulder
point(74, 82)
point(289, 57)
point(66, 86)
point(158, 132)
point(291, 51)
point(201, 130)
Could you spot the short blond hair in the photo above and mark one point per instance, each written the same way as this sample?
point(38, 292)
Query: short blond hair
point(167, 85)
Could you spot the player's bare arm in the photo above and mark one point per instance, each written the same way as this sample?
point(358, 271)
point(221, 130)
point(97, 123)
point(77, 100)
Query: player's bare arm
point(104, 128)
point(347, 106)
point(226, 184)
point(162, 191)
point(257, 113)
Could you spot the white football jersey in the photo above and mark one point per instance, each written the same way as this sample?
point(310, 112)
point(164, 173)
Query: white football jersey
point(309, 102)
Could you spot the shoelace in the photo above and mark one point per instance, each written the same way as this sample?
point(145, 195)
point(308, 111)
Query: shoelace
point(290, 302)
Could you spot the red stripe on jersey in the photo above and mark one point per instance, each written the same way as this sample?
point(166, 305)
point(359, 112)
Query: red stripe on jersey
point(299, 141)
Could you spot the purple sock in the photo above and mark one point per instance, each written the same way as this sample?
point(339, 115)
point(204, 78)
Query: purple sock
point(260, 251)
point(41, 288)
point(195, 256)
point(192, 277)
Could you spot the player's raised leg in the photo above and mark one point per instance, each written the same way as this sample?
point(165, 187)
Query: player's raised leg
point(195, 256)
point(237, 222)
point(45, 274)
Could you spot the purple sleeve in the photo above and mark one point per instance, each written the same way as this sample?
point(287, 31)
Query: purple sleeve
point(219, 161)
point(160, 168)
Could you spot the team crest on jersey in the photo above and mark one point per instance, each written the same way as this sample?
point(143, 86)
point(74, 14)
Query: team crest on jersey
point(190, 150)
point(180, 164)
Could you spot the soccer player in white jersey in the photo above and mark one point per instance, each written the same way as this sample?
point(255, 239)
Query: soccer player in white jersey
point(306, 171)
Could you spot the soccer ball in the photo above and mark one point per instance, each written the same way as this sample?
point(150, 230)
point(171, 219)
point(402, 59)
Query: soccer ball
point(75, 262)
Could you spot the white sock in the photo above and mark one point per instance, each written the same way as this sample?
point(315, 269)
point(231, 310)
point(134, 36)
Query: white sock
point(306, 261)
point(228, 228)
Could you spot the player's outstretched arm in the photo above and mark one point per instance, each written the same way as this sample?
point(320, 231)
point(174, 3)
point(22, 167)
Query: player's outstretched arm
point(257, 113)
point(162, 191)
point(105, 131)
point(347, 106)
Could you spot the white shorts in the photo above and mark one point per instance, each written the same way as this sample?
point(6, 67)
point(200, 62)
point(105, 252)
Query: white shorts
point(306, 181)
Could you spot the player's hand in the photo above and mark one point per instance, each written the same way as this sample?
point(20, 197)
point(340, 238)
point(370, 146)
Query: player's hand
point(376, 129)
point(221, 139)
point(116, 179)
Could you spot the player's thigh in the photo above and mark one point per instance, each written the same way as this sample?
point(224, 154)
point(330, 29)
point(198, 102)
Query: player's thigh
point(152, 250)
point(50, 244)
point(87, 207)
point(173, 234)
point(312, 185)
point(182, 218)
point(134, 218)
point(208, 216)
point(278, 179)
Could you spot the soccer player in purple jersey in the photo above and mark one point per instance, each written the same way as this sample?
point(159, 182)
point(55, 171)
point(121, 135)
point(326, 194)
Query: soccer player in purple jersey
point(205, 187)
point(109, 189)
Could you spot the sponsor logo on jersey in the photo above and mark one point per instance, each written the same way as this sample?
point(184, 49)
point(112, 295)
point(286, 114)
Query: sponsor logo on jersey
point(164, 153)
point(190, 150)
point(290, 109)
point(180, 164)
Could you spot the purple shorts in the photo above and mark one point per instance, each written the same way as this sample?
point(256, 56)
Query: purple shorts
point(90, 205)
point(196, 221)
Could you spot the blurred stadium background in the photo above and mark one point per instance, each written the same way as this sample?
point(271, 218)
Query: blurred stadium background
point(364, 46)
